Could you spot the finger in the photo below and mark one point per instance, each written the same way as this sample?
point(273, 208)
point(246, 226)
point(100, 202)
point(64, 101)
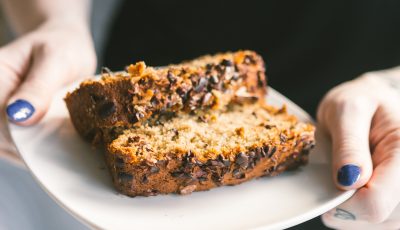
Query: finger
point(349, 128)
point(376, 201)
point(14, 61)
point(30, 101)
point(373, 203)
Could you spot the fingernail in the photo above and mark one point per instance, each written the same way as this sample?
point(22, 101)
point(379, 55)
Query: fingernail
point(20, 110)
point(348, 174)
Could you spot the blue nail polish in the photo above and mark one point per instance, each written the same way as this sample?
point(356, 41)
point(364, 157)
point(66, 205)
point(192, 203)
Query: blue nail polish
point(348, 174)
point(20, 110)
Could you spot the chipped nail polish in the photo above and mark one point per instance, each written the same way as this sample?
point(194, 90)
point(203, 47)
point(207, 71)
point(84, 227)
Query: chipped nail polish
point(20, 110)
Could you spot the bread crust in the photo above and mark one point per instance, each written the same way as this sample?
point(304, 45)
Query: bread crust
point(143, 93)
point(184, 175)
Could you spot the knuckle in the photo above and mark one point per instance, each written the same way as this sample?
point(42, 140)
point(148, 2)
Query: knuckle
point(353, 103)
point(395, 135)
point(47, 48)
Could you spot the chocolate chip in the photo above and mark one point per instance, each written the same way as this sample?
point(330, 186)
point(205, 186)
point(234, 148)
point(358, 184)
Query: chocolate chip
point(260, 80)
point(154, 169)
point(106, 110)
point(238, 174)
point(252, 154)
point(145, 180)
point(202, 179)
point(162, 163)
point(176, 134)
point(202, 118)
point(187, 175)
point(133, 139)
point(273, 150)
point(119, 162)
point(226, 62)
point(199, 173)
point(282, 137)
point(269, 126)
point(226, 162)
point(235, 76)
point(171, 78)
point(154, 101)
point(265, 151)
point(251, 165)
point(132, 118)
point(220, 68)
point(214, 79)
point(124, 177)
point(96, 98)
point(183, 94)
point(249, 60)
point(216, 178)
point(268, 171)
point(200, 85)
point(187, 158)
point(215, 163)
point(177, 174)
point(242, 160)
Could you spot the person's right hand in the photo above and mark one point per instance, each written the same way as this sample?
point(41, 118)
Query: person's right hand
point(362, 117)
point(36, 65)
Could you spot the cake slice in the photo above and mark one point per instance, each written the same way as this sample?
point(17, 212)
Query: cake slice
point(142, 94)
point(190, 153)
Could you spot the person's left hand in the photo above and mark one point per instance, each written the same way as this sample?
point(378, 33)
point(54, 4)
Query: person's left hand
point(35, 66)
point(363, 119)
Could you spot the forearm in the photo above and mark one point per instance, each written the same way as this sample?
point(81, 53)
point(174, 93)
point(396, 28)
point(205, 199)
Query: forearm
point(26, 15)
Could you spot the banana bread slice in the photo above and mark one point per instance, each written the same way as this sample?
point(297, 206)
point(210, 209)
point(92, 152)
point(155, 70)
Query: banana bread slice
point(192, 153)
point(143, 93)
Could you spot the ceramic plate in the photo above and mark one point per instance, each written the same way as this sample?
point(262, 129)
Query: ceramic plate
point(74, 174)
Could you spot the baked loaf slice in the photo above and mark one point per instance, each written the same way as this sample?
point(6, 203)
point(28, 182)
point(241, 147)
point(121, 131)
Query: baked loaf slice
point(188, 127)
point(192, 153)
point(142, 94)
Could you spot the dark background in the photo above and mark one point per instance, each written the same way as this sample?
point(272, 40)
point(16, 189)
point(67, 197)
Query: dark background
point(308, 46)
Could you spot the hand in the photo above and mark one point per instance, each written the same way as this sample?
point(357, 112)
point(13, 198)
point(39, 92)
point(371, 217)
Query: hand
point(363, 119)
point(36, 65)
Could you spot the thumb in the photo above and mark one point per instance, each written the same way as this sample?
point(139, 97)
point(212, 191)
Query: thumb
point(349, 122)
point(30, 101)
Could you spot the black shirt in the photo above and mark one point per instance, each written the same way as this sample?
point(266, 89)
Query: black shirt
point(308, 46)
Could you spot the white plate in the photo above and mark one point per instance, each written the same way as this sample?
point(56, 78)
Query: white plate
point(75, 176)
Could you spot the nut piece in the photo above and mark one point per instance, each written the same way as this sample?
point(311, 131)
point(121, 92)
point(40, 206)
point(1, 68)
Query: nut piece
point(240, 131)
point(188, 189)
